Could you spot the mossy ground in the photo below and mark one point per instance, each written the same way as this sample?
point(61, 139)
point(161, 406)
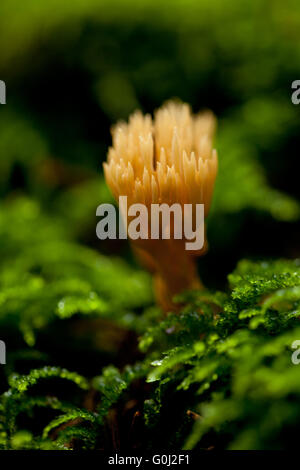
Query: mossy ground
point(90, 362)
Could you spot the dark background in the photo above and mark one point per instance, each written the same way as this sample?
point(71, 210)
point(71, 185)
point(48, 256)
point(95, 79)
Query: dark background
point(72, 69)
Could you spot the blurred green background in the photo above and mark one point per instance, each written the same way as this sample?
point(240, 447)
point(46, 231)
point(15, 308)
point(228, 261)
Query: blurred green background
point(72, 68)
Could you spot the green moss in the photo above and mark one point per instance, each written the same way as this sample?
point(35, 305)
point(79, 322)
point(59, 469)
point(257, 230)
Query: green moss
point(90, 359)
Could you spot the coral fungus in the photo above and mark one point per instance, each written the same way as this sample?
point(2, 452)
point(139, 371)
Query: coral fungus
point(168, 160)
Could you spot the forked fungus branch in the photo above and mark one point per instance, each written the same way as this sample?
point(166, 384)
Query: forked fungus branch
point(168, 159)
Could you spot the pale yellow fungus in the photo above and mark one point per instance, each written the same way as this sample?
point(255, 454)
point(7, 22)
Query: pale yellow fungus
point(168, 159)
